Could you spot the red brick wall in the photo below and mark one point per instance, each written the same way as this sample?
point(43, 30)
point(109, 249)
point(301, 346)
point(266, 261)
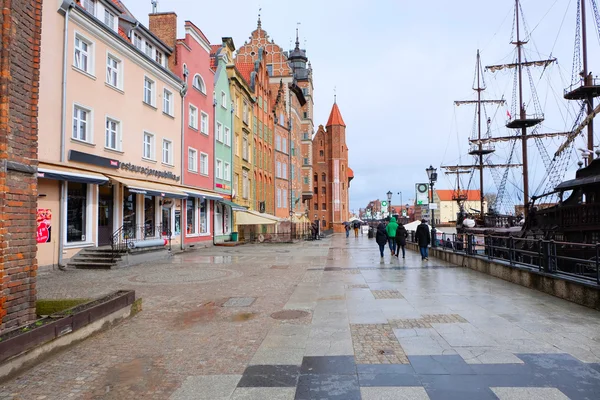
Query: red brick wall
point(19, 76)
point(164, 26)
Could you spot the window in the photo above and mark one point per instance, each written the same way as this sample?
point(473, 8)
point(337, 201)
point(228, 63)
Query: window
point(203, 206)
point(167, 152)
point(237, 106)
point(323, 177)
point(278, 169)
point(227, 136)
point(219, 170)
point(306, 180)
point(167, 102)
point(278, 198)
point(245, 148)
point(245, 114)
point(137, 41)
point(109, 19)
point(305, 91)
point(316, 206)
point(284, 170)
point(305, 136)
point(204, 123)
point(198, 83)
point(82, 124)
point(223, 100)
point(323, 206)
point(192, 160)
point(112, 139)
point(113, 67)
point(236, 145)
point(220, 132)
point(148, 152)
point(323, 190)
point(321, 153)
point(316, 190)
point(77, 201)
point(204, 163)
point(305, 161)
point(193, 122)
point(284, 146)
point(159, 57)
point(190, 214)
point(227, 172)
point(148, 91)
point(270, 69)
point(148, 49)
point(236, 180)
point(305, 114)
point(83, 59)
point(277, 143)
point(90, 6)
point(245, 185)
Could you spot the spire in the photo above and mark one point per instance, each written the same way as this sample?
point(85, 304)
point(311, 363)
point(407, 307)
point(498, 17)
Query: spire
point(259, 23)
point(335, 118)
point(297, 39)
point(335, 95)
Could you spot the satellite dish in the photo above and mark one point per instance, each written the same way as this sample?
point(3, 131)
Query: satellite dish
point(469, 223)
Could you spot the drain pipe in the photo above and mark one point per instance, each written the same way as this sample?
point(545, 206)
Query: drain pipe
point(183, 93)
point(214, 162)
point(65, 7)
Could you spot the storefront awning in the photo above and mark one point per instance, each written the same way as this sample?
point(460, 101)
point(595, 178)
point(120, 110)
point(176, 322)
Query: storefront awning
point(200, 194)
point(234, 207)
point(151, 188)
point(57, 172)
point(249, 218)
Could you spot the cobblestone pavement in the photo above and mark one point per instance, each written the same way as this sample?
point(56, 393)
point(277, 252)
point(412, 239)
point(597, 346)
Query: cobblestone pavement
point(319, 320)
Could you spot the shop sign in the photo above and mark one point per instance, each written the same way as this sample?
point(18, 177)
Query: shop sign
point(222, 186)
point(149, 171)
point(44, 225)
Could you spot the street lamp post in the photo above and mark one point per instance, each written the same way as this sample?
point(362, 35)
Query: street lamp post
point(318, 226)
point(389, 197)
point(401, 216)
point(432, 175)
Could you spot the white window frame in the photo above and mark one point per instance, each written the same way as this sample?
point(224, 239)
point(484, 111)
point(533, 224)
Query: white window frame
point(89, 124)
point(284, 145)
point(159, 57)
point(118, 131)
point(110, 70)
point(86, 5)
point(138, 41)
point(169, 160)
point(219, 132)
point(89, 54)
point(109, 19)
point(193, 116)
point(219, 169)
point(236, 145)
point(245, 113)
point(245, 148)
point(278, 169)
point(227, 171)
point(168, 106)
point(149, 49)
point(202, 87)
point(278, 198)
point(284, 170)
point(227, 134)
point(277, 143)
point(152, 155)
point(152, 91)
point(245, 185)
point(204, 170)
point(192, 166)
point(223, 100)
point(204, 122)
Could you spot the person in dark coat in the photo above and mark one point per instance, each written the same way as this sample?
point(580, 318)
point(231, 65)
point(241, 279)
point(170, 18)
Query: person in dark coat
point(401, 235)
point(423, 238)
point(381, 238)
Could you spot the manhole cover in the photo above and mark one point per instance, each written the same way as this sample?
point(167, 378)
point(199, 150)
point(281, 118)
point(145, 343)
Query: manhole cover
point(239, 302)
point(289, 314)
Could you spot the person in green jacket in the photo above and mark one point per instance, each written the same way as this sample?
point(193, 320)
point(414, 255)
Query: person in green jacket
point(391, 232)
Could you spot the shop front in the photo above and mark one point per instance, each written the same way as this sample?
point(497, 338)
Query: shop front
point(198, 221)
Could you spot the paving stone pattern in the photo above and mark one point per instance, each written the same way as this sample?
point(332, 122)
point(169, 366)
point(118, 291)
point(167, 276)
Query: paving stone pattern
point(401, 329)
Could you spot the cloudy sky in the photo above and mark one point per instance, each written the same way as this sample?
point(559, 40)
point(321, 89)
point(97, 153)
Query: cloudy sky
point(398, 65)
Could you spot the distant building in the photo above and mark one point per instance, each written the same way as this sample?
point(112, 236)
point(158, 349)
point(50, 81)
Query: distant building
point(447, 206)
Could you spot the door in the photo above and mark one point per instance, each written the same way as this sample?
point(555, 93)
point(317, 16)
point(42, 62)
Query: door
point(105, 214)
point(166, 222)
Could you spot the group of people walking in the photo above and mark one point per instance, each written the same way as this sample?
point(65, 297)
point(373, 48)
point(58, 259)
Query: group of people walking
point(394, 234)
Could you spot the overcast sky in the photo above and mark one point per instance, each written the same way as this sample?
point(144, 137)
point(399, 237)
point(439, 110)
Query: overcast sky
point(398, 65)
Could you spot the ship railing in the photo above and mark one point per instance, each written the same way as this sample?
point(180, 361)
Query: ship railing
point(575, 260)
point(587, 81)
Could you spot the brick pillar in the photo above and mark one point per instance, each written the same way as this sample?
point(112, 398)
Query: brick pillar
point(164, 26)
point(20, 24)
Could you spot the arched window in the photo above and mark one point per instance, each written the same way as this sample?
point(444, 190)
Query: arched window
point(321, 153)
point(198, 83)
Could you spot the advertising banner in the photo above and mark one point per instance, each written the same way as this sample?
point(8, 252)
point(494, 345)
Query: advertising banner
point(422, 193)
point(44, 225)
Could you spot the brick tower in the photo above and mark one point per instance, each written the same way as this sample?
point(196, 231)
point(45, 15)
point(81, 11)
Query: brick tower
point(331, 178)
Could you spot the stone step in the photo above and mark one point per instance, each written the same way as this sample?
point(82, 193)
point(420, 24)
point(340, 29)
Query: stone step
point(91, 265)
point(95, 258)
point(102, 251)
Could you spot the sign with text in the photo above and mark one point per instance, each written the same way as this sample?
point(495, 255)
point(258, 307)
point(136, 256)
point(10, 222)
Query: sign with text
point(422, 193)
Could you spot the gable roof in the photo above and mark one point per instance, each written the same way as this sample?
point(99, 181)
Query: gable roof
point(214, 60)
point(335, 118)
point(446, 195)
point(245, 69)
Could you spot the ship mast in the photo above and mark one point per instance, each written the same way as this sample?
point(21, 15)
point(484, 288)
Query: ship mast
point(590, 97)
point(523, 116)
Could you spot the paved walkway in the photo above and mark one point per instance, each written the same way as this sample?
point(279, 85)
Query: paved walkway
point(320, 320)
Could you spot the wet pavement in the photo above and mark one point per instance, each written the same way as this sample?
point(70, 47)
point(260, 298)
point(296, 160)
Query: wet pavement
point(319, 320)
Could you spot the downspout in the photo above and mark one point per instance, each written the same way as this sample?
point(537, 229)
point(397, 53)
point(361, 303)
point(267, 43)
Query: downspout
point(232, 142)
point(62, 198)
point(183, 93)
point(214, 164)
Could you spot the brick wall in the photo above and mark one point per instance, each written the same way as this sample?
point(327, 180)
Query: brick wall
point(20, 24)
point(164, 26)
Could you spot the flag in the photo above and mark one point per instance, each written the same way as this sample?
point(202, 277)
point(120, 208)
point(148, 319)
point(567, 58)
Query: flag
point(508, 114)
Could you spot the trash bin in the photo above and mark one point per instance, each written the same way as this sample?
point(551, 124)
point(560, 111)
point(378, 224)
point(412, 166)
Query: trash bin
point(234, 236)
point(370, 235)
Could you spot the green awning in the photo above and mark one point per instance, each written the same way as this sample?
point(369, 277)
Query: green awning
point(234, 207)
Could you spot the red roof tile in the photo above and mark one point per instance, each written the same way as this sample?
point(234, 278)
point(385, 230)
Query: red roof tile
point(245, 70)
point(123, 34)
point(335, 118)
point(214, 61)
point(446, 195)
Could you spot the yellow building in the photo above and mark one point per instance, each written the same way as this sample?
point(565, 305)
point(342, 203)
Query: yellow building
point(243, 171)
point(447, 207)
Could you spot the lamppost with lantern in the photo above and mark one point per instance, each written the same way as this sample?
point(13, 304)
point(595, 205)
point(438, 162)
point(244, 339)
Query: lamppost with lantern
point(389, 205)
point(432, 175)
point(318, 226)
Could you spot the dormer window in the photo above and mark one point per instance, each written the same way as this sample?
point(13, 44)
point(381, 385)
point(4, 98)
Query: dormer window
point(198, 83)
point(90, 6)
point(148, 49)
point(137, 41)
point(159, 57)
point(109, 19)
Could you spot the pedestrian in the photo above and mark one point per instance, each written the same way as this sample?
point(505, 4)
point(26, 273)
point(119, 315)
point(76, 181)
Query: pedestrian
point(423, 238)
point(356, 228)
point(401, 235)
point(347, 230)
point(314, 229)
point(381, 238)
point(391, 232)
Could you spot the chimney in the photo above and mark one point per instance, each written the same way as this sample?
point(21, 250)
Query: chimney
point(164, 26)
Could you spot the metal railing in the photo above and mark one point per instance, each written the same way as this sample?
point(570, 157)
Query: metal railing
point(579, 260)
point(124, 238)
point(587, 81)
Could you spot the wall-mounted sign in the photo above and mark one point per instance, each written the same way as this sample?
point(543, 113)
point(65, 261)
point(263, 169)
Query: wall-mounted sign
point(422, 194)
point(149, 171)
point(44, 225)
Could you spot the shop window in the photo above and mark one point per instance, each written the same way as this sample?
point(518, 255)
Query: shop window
point(76, 212)
point(149, 216)
point(191, 228)
point(129, 212)
point(203, 208)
